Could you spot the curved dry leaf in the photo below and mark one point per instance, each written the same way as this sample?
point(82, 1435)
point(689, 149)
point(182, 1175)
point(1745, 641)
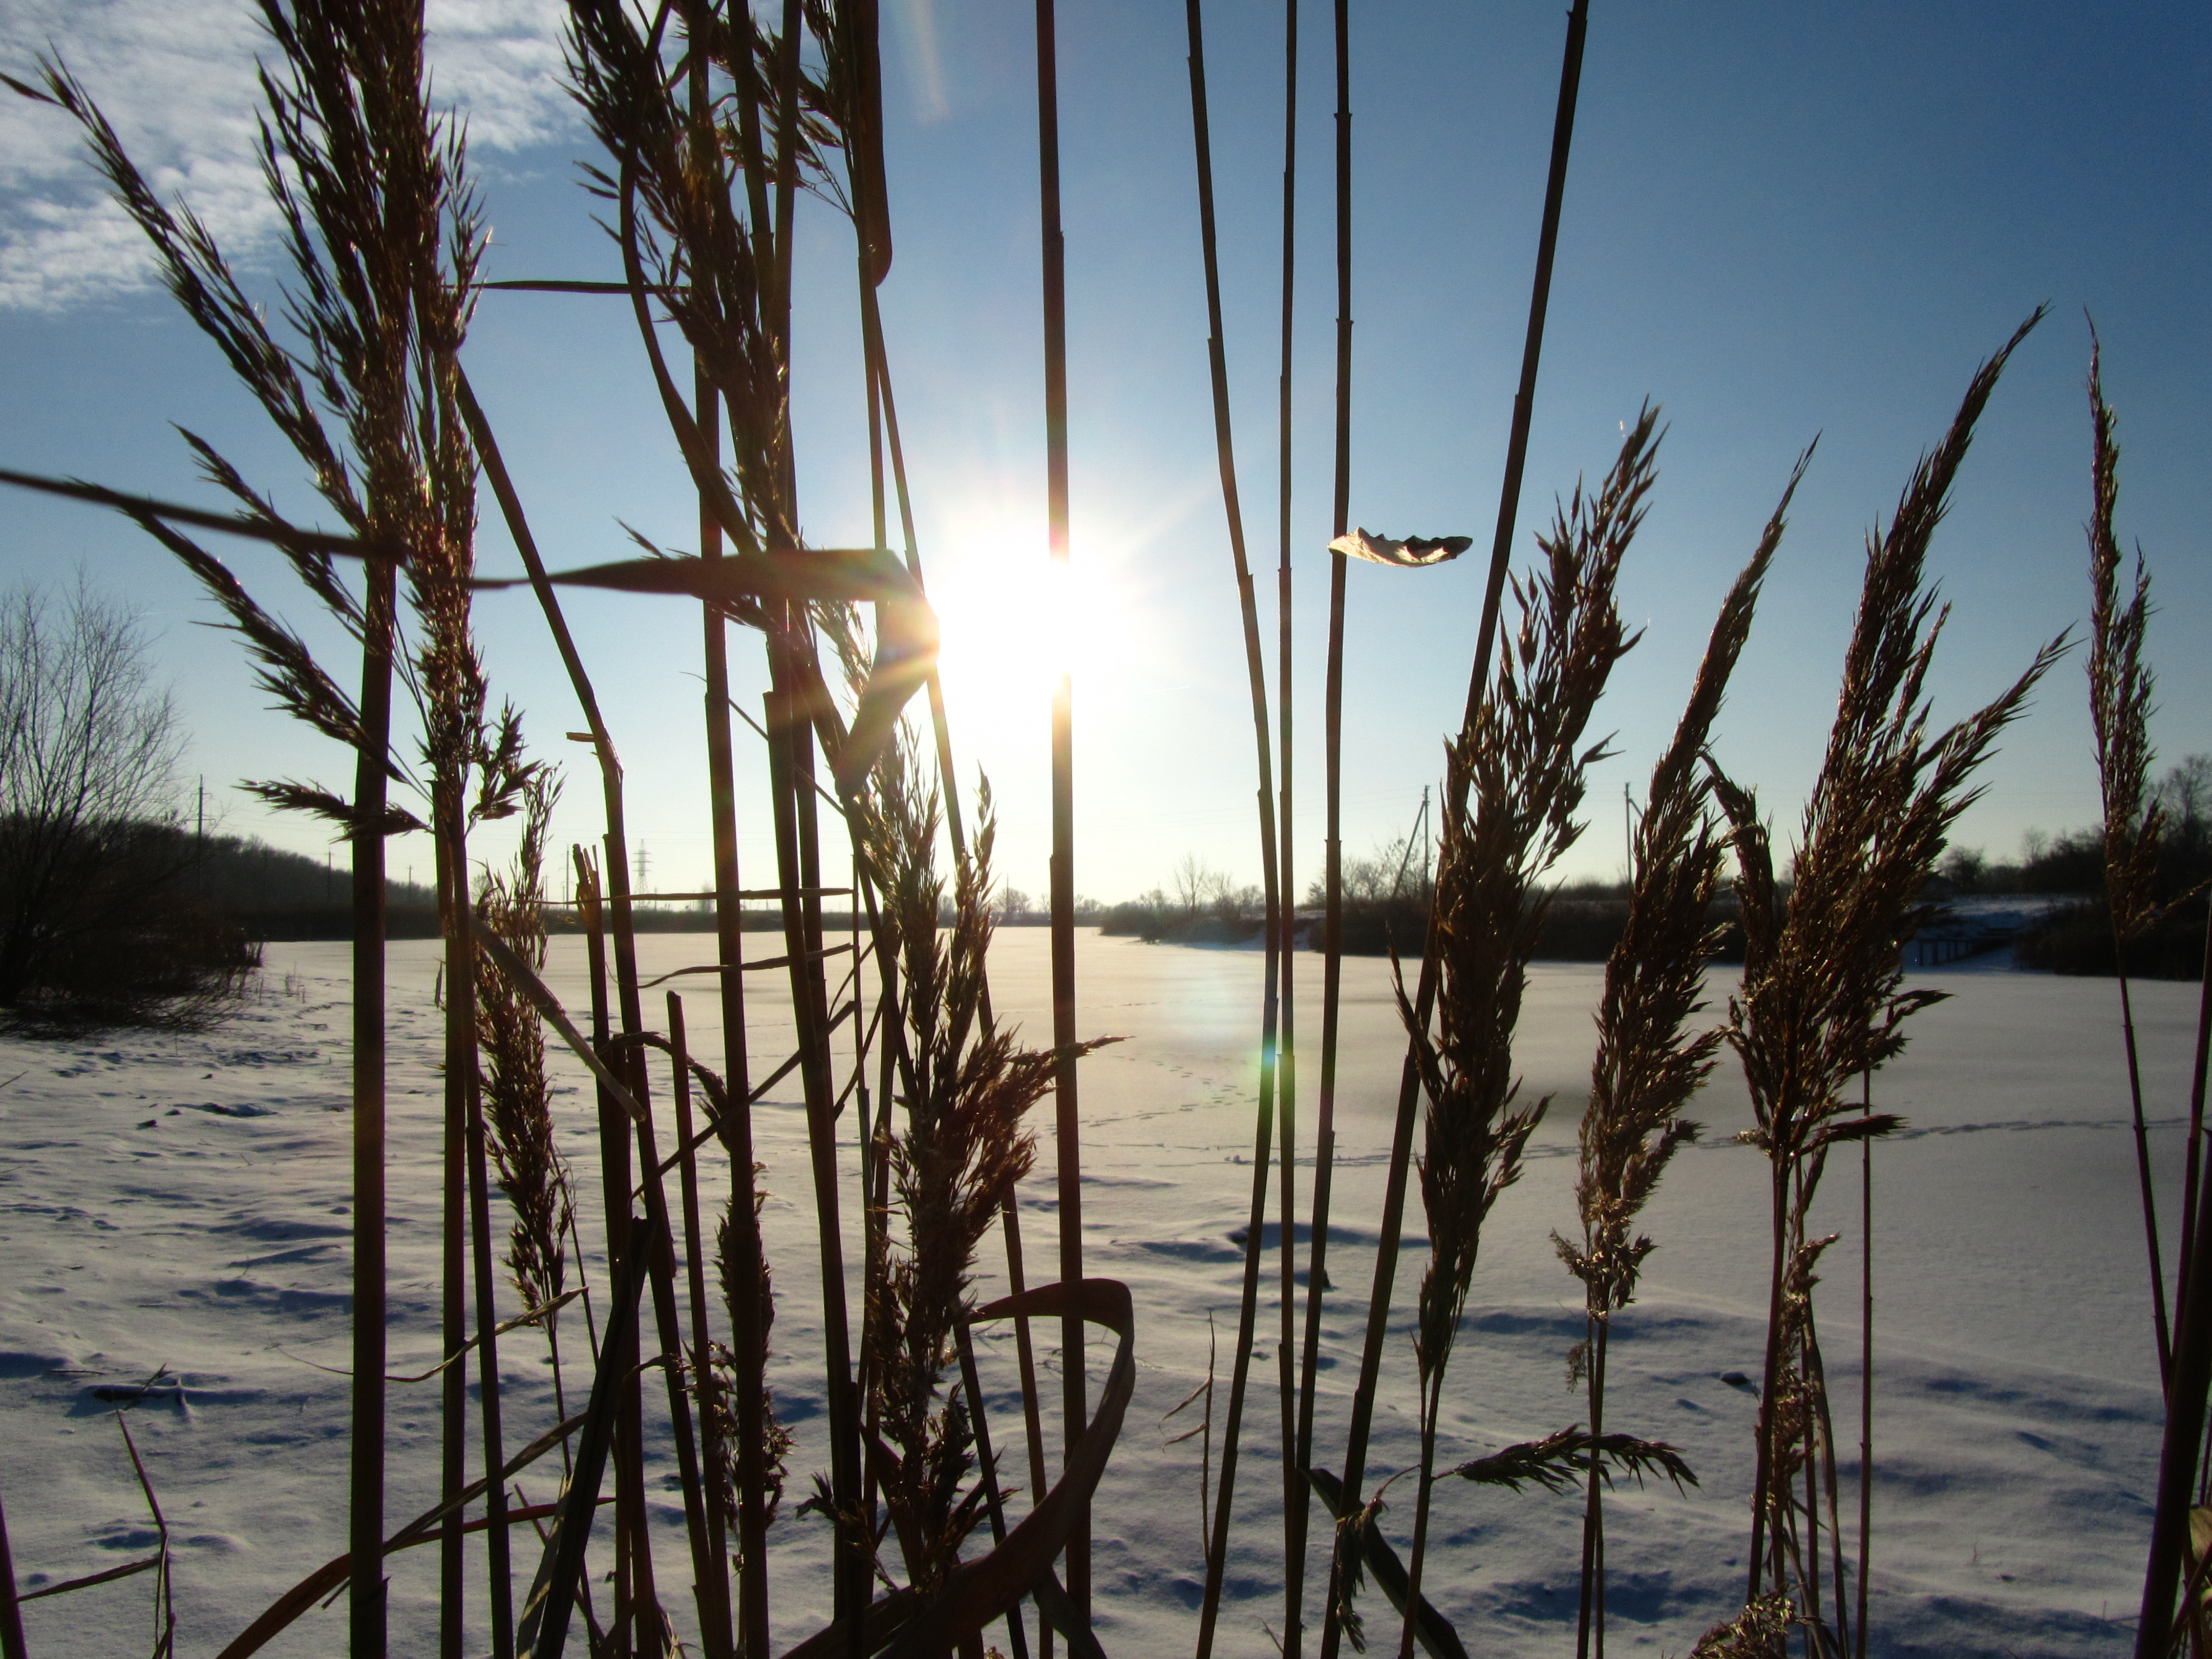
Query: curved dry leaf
point(1409, 555)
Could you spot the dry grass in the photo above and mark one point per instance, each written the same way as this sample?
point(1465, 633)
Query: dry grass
point(1649, 1063)
point(517, 1105)
point(1513, 784)
point(960, 1147)
point(1824, 996)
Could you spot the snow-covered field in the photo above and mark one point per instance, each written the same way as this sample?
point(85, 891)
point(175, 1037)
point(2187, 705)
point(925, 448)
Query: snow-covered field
point(182, 1203)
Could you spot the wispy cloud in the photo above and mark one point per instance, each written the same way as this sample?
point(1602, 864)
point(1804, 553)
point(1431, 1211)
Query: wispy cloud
point(925, 68)
point(177, 78)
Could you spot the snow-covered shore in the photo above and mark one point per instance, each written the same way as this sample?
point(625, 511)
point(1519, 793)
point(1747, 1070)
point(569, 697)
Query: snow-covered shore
point(182, 1203)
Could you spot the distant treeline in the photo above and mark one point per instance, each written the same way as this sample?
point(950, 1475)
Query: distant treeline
point(1582, 924)
point(1385, 899)
point(271, 894)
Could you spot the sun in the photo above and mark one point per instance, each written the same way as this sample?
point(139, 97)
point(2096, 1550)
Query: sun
point(1013, 622)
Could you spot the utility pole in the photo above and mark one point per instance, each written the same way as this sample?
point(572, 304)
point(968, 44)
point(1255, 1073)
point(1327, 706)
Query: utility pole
point(199, 844)
point(1425, 840)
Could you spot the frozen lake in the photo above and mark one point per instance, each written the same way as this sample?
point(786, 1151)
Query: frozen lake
point(182, 1203)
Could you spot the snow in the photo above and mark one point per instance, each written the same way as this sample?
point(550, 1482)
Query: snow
point(182, 1203)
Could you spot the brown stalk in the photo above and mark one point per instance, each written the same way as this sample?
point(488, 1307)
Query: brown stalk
point(517, 1102)
point(1648, 1067)
point(165, 1604)
point(619, 1342)
point(959, 1147)
point(1824, 995)
point(1332, 843)
point(1393, 1200)
point(1521, 760)
point(738, 1238)
point(790, 747)
point(2120, 686)
point(713, 1590)
point(452, 1280)
point(1068, 1121)
point(1294, 1450)
point(1217, 1553)
point(380, 229)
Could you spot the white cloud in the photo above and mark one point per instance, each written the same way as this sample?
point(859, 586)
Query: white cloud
point(177, 78)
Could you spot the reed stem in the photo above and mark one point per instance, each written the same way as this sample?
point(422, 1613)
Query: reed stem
point(1287, 1384)
point(453, 1397)
point(2194, 1175)
point(2161, 1329)
point(461, 1064)
point(1333, 793)
point(1068, 1121)
point(790, 744)
point(618, 1340)
point(1255, 671)
point(365, 1510)
point(1516, 456)
point(1866, 1366)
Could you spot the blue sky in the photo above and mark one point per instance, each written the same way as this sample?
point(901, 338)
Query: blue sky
point(1780, 221)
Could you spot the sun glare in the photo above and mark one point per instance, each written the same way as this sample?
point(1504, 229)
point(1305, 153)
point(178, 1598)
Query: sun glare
point(1013, 623)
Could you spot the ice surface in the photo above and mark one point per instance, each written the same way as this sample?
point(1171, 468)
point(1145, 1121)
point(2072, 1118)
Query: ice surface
point(179, 1206)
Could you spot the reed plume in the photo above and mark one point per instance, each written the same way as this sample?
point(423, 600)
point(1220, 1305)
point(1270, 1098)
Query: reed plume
point(2120, 688)
point(1648, 1064)
point(517, 1105)
point(380, 230)
point(1824, 996)
point(721, 1380)
point(1522, 759)
point(961, 1145)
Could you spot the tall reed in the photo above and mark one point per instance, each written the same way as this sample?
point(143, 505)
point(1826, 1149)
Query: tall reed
point(960, 1145)
point(517, 1106)
point(380, 232)
point(1648, 1066)
point(1824, 995)
point(1521, 763)
point(2120, 685)
point(1255, 674)
point(1508, 508)
point(1287, 1073)
point(2120, 688)
point(1332, 974)
point(1066, 1118)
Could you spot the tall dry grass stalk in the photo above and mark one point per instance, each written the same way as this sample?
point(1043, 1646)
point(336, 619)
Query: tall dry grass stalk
point(1332, 972)
point(1649, 1063)
point(2120, 685)
point(1508, 506)
point(1824, 996)
point(1514, 783)
point(2120, 688)
point(381, 234)
point(1276, 935)
point(959, 1145)
point(1066, 1119)
point(518, 1108)
point(1286, 1071)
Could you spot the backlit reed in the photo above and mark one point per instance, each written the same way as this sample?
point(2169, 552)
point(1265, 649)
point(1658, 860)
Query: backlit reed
point(1514, 782)
point(1649, 1063)
point(1824, 997)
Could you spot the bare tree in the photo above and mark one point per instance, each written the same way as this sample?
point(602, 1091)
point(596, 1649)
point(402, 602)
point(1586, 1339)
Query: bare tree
point(1197, 884)
point(90, 845)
